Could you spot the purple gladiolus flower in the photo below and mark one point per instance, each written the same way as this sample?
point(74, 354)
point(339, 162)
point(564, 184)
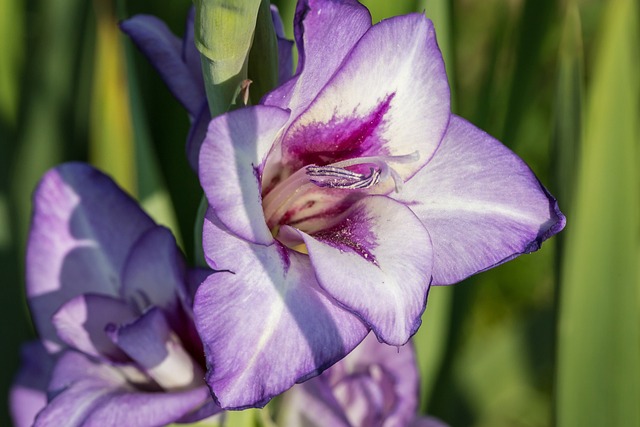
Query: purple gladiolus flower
point(110, 296)
point(338, 201)
point(376, 385)
point(178, 63)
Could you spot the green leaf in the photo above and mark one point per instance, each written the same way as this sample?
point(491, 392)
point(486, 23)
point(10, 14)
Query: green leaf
point(152, 191)
point(535, 23)
point(385, 9)
point(598, 355)
point(111, 146)
point(263, 56)
point(12, 50)
point(431, 340)
point(568, 120)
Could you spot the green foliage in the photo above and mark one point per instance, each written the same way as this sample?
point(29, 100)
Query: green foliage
point(557, 81)
point(598, 352)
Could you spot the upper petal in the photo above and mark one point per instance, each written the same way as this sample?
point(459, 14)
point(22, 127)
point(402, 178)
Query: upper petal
point(481, 204)
point(377, 263)
point(81, 323)
point(389, 97)
point(230, 167)
point(74, 248)
point(325, 31)
point(267, 324)
point(155, 275)
point(165, 52)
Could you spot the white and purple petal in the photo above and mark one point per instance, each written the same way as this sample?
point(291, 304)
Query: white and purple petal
point(377, 263)
point(73, 247)
point(231, 164)
point(86, 393)
point(318, 25)
point(390, 97)
point(266, 324)
point(481, 204)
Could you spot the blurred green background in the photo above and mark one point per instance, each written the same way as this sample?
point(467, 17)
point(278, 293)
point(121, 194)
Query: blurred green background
point(551, 338)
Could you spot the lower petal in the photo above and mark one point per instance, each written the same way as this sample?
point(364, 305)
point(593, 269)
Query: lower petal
point(481, 204)
point(151, 343)
point(88, 393)
point(28, 393)
point(376, 263)
point(266, 324)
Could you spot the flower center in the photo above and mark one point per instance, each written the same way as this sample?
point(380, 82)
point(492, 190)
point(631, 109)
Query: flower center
point(319, 191)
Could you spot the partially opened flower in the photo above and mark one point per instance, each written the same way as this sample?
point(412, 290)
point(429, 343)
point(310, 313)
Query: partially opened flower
point(110, 297)
point(376, 385)
point(336, 203)
point(178, 63)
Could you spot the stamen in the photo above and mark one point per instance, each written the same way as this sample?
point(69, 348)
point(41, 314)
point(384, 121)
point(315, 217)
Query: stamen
point(333, 177)
point(278, 200)
point(384, 170)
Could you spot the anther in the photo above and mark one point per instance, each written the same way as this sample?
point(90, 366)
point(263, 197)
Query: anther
point(335, 177)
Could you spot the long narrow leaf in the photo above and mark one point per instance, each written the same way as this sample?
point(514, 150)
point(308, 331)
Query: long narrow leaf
point(112, 141)
point(12, 50)
point(598, 359)
point(567, 130)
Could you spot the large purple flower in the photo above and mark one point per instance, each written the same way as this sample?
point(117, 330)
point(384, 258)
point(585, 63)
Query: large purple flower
point(376, 385)
point(336, 203)
point(110, 296)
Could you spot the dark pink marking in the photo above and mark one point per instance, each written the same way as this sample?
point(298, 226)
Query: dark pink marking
point(353, 234)
point(284, 256)
point(345, 138)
